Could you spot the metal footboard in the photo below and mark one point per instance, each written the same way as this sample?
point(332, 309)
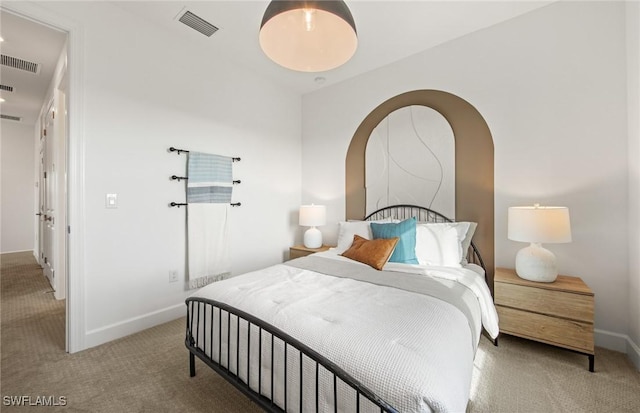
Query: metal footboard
point(222, 337)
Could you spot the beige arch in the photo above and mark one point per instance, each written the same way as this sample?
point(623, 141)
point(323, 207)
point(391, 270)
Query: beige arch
point(474, 190)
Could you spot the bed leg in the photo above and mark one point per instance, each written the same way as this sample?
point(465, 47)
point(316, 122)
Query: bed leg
point(192, 364)
point(495, 341)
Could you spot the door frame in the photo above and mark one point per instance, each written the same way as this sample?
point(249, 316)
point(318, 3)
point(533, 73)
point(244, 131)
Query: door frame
point(75, 165)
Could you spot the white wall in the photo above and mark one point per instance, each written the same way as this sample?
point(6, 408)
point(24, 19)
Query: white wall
point(551, 85)
point(18, 191)
point(144, 91)
point(633, 79)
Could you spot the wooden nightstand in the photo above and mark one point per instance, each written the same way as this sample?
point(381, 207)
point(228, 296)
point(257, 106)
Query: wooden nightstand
point(558, 313)
point(298, 251)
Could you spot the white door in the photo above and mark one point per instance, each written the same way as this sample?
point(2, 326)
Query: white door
point(41, 207)
point(49, 191)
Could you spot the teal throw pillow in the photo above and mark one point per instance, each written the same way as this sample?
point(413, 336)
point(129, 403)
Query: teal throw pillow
point(405, 251)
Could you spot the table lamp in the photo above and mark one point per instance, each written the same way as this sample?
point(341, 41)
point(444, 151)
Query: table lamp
point(536, 225)
point(313, 216)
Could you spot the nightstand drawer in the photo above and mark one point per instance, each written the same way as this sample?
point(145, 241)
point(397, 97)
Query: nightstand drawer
point(557, 303)
point(557, 331)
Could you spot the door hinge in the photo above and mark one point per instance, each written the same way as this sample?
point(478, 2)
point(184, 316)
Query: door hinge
point(45, 175)
point(45, 132)
point(68, 229)
point(53, 114)
point(46, 260)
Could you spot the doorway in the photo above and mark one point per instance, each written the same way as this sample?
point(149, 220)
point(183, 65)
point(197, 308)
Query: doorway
point(35, 92)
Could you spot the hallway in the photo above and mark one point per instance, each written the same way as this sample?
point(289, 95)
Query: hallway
point(29, 308)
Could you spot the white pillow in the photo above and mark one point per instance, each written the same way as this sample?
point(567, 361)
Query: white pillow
point(438, 244)
point(466, 242)
point(346, 231)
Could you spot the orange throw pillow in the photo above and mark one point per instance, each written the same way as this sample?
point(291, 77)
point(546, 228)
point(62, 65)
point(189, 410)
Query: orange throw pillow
point(375, 252)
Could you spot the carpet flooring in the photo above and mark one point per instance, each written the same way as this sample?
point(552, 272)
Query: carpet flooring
point(148, 371)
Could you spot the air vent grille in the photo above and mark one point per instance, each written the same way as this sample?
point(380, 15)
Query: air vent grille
point(9, 117)
point(20, 64)
point(6, 88)
point(198, 24)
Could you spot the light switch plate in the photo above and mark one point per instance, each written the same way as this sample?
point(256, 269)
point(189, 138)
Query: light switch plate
point(111, 201)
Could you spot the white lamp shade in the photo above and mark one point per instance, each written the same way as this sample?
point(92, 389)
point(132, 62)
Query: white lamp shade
point(539, 224)
point(313, 215)
point(308, 36)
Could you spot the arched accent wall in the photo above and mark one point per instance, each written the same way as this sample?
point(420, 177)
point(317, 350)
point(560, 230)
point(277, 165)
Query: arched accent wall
point(474, 176)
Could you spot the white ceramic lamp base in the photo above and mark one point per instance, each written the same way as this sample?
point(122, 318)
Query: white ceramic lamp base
point(535, 263)
point(313, 238)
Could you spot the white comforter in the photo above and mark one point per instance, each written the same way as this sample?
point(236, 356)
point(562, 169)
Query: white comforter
point(412, 349)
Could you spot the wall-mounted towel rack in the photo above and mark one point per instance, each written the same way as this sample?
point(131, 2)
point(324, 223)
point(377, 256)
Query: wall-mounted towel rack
point(177, 204)
point(180, 178)
point(186, 178)
point(172, 149)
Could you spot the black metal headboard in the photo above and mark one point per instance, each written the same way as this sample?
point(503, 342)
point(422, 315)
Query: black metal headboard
point(423, 214)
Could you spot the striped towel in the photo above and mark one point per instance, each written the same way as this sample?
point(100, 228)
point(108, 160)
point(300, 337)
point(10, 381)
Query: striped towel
point(210, 178)
point(209, 196)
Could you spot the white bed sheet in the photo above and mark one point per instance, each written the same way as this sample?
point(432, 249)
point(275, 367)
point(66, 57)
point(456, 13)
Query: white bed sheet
point(415, 351)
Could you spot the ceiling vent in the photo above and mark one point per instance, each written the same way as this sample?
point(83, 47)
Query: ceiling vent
point(198, 23)
point(20, 64)
point(9, 117)
point(6, 88)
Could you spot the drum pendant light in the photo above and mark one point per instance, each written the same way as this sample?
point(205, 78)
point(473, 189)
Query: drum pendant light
point(308, 36)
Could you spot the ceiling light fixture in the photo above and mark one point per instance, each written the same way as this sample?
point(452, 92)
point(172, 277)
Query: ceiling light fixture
point(308, 36)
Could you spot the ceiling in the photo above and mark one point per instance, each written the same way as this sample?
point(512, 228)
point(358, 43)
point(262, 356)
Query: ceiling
point(387, 31)
point(33, 42)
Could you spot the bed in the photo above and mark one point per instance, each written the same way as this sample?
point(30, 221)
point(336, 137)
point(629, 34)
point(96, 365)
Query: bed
point(330, 333)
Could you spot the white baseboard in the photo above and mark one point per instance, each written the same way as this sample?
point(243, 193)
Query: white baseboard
point(611, 340)
point(618, 342)
point(13, 252)
point(633, 351)
point(133, 325)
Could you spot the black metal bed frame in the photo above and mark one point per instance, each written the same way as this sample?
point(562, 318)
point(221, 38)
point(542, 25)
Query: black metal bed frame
point(199, 333)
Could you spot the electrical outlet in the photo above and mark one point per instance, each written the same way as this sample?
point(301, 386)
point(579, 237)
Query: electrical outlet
point(111, 201)
point(173, 276)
